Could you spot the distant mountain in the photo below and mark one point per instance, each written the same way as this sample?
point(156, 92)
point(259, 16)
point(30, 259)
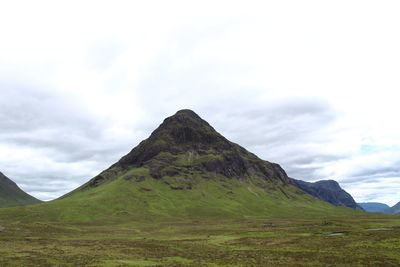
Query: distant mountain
point(395, 209)
point(329, 191)
point(185, 170)
point(12, 195)
point(375, 207)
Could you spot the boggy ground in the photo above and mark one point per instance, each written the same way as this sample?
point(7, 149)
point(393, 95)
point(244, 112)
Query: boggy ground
point(250, 243)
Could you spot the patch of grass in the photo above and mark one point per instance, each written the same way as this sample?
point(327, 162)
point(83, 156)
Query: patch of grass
point(116, 263)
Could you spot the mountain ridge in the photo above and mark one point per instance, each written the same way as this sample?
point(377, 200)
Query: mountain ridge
point(375, 207)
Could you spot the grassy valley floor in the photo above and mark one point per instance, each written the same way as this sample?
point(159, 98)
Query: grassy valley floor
point(365, 241)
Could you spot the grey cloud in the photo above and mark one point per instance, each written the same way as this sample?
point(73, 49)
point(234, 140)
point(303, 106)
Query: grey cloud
point(369, 175)
point(68, 143)
point(378, 171)
point(26, 109)
point(46, 181)
point(384, 190)
point(41, 119)
point(66, 147)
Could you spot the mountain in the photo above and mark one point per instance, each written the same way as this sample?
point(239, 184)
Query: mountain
point(375, 207)
point(12, 195)
point(380, 207)
point(329, 191)
point(395, 209)
point(185, 170)
point(185, 145)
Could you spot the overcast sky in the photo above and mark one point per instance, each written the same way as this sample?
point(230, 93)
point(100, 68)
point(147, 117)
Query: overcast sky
point(311, 85)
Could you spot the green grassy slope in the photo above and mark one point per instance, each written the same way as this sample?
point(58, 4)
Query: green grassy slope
point(12, 195)
point(124, 200)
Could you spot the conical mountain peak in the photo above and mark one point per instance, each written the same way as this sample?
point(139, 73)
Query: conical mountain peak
point(185, 144)
point(187, 112)
point(187, 127)
point(187, 116)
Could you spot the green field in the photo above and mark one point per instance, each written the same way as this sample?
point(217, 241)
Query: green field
point(194, 221)
point(279, 242)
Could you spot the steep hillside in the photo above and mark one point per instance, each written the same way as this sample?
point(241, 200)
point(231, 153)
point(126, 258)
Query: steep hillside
point(395, 209)
point(375, 207)
point(12, 195)
point(329, 191)
point(184, 170)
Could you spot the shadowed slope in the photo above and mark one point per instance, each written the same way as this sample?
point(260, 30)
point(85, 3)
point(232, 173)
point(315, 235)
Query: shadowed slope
point(12, 195)
point(329, 191)
point(395, 209)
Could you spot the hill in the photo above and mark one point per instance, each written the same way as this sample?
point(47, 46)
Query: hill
point(395, 209)
point(329, 191)
point(12, 195)
point(375, 207)
point(184, 170)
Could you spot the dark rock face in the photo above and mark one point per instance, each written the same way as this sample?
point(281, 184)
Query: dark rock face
point(327, 190)
point(179, 133)
point(96, 181)
point(186, 137)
